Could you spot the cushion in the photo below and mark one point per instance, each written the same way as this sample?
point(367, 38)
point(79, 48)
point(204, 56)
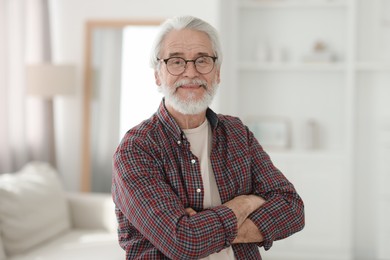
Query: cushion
point(78, 244)
point(92, 211)
point(33, 207)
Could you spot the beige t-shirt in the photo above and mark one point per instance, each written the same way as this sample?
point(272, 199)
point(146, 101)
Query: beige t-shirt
point(200, 139)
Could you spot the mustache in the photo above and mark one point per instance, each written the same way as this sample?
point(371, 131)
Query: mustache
point(182, 82)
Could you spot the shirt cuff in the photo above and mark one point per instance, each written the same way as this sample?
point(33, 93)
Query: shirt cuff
point(229, 222)
point(266, 226)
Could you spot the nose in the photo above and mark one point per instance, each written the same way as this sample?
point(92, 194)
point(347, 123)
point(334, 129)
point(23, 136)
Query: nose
point(190, 70)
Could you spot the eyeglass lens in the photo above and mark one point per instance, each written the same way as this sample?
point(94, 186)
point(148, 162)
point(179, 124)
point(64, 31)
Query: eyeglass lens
point(177, 65)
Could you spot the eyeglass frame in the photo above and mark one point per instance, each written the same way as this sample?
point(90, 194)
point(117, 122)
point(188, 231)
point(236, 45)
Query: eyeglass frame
point(214, 58)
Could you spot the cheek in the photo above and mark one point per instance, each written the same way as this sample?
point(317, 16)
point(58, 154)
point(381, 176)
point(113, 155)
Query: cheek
point(168, 80)
point(162, 77)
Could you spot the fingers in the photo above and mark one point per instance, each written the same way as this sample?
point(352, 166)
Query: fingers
point(190, 212)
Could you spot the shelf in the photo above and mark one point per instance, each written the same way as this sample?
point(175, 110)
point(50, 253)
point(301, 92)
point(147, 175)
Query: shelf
point(325, 67)
point(373, 66)
point(293, 3)
point(271, 66)
point(307, 154)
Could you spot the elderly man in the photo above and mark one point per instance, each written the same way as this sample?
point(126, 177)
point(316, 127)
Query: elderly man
point(189, 183)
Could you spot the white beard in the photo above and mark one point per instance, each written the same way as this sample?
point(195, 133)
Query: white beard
point(189, 106)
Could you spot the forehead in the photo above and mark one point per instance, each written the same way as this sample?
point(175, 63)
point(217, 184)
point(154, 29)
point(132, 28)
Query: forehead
point(186, 42)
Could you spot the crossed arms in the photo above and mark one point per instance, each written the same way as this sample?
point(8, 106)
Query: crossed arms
point(243, 206)
point(158, 203)
point(157, 212)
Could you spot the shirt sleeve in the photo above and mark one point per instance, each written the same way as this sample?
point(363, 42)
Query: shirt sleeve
point(149, 203)
point(283, 213)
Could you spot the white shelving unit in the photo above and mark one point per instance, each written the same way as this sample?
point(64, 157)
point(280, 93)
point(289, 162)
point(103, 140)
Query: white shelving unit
point(373, 126)
point(271, 72)
point(304, 67)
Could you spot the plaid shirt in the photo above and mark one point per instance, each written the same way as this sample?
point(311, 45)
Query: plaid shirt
point(156, 177)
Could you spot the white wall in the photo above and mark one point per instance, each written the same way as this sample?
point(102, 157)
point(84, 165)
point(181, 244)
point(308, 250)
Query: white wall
point(68, 24)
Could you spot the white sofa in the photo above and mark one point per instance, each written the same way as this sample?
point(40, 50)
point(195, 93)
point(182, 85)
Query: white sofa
point(39, 221)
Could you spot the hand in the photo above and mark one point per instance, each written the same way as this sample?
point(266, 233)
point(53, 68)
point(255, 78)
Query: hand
point(244, 205)
point(190, 212)
point(248, 233)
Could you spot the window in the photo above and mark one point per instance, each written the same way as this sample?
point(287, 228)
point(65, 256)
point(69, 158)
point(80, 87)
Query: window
point(139, 95)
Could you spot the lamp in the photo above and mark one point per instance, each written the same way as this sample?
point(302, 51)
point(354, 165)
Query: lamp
point(49, 80)
point(46, 81)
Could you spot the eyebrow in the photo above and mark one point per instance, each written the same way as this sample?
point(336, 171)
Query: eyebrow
point(178, 54)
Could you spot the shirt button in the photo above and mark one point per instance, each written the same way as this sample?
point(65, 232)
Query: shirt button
point(178, 142)
point(193, 161)
point(198, 190)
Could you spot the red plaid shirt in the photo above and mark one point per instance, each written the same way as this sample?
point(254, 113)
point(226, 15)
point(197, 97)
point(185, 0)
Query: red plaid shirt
point(156, 177)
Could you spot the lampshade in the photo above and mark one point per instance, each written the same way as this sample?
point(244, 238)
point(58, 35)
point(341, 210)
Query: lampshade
point(49, 80)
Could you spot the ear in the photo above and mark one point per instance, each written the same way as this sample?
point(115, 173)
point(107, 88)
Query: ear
point(218, 75)
point(157, 78)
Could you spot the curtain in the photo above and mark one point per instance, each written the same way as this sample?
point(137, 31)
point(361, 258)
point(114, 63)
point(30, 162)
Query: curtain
point(40, 114)
point(25, 134)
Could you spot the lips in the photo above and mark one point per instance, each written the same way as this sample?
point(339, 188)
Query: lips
point(191, 84)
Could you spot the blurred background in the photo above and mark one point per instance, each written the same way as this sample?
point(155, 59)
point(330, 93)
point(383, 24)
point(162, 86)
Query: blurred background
point(311, 78)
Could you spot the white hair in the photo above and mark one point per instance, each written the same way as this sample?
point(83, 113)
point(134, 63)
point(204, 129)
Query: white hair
point(181, 23)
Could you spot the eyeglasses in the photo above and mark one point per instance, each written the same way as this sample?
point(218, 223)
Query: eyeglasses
point(177, 65)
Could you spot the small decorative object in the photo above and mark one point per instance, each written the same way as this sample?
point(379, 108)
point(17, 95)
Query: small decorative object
point(265, 52)
point(279, 54)
point(272, 133)
point(320, 53)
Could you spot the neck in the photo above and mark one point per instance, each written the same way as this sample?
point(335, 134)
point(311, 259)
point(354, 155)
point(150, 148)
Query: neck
point(187, 121)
